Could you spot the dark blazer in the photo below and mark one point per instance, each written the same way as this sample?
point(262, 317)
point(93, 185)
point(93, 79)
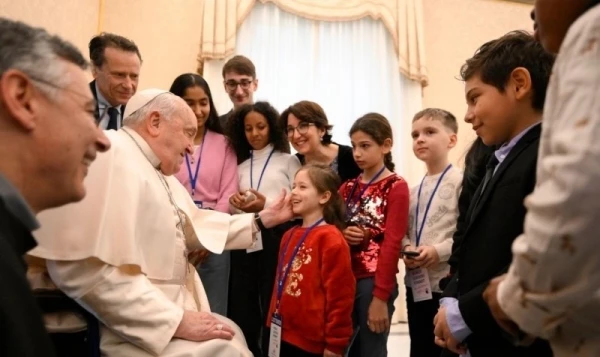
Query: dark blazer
point(23, 332)
point(485, 250)
point(224, 118)
point(347, 168)
point(93, 89)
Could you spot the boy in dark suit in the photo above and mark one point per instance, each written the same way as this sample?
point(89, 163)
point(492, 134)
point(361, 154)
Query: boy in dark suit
point(505, 86)
point(551, 289)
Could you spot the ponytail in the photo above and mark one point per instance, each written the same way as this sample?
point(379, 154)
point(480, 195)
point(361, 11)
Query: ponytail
point(334, 211)
point(387, 160)
point(326, 180)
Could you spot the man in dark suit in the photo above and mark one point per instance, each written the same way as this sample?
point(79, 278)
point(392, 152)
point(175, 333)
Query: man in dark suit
point(240, 82)
point(47, 141)
point(116, 63)
point(505, 86)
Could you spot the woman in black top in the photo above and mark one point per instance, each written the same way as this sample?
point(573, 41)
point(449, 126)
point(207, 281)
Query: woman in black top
point(308, 130)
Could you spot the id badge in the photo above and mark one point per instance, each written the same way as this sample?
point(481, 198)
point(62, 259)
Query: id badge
point(257, 245)
point(275, 337)
point(198, 204)
point(419, 281)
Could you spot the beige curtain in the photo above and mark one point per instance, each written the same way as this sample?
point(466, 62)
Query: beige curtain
point(402, 18)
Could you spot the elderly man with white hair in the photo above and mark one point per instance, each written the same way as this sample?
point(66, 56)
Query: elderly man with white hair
point(138, 226)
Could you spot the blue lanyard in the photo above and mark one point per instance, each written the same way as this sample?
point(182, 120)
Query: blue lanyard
point(282, 275)
point(263, 170)
point(194, 178)
point(350, 213)
point(418, 230)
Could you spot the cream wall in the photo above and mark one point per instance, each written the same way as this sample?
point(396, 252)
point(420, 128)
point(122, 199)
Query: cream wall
point(454, 29)
point(166, 32)
point(75, 20)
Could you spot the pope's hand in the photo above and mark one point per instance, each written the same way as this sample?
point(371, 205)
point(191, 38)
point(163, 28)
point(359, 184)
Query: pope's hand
point(202, 326)
point(279, 212)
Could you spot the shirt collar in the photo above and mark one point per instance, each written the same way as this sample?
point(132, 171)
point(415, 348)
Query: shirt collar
point(15, 203)
point(146, 150)
point(506, 148)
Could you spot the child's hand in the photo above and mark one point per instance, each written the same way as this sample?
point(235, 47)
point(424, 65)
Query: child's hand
point(255, 205)
point(428, 256)
point(237, 200)
point(378, 318)
point(354, 235)
point(328, 353)
point(410, 262)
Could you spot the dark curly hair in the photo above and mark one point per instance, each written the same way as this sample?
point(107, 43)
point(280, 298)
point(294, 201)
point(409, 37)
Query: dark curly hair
point(236, 131)
point(189, 80)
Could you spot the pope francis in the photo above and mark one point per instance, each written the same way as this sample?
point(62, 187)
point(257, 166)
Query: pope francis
point(122, 252)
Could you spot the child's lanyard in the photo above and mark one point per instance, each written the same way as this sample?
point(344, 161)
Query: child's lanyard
point(263, 170)
point(194, 177)
point(351, 212)
point(418, 230)
point(282, 275)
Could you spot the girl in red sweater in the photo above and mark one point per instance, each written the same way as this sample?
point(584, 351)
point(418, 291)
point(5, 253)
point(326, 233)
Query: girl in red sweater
point(311, 305)
point(377, 219)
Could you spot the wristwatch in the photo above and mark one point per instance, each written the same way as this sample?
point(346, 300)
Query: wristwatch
point(259, 222)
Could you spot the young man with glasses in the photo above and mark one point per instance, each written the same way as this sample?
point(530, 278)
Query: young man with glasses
point(240, 82)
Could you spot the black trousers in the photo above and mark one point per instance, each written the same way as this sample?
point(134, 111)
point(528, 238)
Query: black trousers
point(251, 284)
point(288, 350)
point(420, 325)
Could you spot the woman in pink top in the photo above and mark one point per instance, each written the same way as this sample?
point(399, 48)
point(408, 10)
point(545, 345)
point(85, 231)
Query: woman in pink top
point(210, 175)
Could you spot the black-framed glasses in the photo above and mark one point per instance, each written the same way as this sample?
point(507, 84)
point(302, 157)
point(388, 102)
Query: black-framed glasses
point(302, 129)
point(232, 84)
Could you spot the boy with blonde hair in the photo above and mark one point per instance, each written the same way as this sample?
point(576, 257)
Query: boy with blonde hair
point(432, 221)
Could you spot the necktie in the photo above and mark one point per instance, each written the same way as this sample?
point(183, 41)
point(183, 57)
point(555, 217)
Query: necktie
point(489, 172)
point(490, 167)
point(113, 118)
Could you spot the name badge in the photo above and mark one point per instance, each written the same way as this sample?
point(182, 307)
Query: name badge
point(419, 281)
point(275, 337)
point(198, 204)
point(257, 246)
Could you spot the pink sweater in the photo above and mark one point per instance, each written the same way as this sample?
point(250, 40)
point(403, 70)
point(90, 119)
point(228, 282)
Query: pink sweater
point(217, 176)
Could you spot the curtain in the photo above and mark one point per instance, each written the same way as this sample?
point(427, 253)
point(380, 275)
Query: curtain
point(349, 68)
point(403, 19)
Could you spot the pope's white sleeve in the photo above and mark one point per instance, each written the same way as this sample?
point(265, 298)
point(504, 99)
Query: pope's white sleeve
point(126, 302)
point(241, 232)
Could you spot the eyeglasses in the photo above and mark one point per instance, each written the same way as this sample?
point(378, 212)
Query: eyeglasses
point(302, 129)
point(232, 85)
point(96, 115)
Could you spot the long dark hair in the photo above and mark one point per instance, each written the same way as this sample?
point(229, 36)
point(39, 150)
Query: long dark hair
point(189, 80)
point(379, 129)
point(325, 179)
point(236, 132)
point(475, 163)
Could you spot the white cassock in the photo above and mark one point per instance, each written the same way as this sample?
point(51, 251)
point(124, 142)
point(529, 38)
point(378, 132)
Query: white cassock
point(122, 253)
